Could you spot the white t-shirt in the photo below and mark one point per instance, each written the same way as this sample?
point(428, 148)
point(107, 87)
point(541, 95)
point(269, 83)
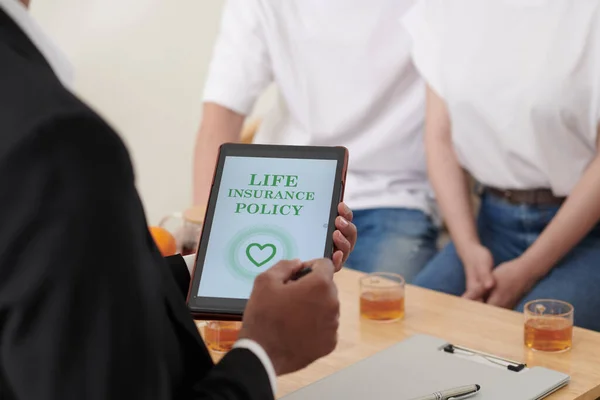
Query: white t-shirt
point(345, 77)
point(521, 80)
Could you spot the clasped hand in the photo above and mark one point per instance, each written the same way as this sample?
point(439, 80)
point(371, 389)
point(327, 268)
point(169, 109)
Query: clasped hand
point(503, 286)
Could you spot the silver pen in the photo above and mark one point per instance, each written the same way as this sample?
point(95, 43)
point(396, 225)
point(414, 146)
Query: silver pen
point(458, 393)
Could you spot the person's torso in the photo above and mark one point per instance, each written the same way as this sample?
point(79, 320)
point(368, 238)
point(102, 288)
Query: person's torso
point(36, 96)
point(521, 79)
point(345, 77)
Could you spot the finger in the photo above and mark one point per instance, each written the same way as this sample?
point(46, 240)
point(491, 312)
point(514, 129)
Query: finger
point(469, 295)
point(322, 267)
point(474, 292)
point(473, 296)
point(341, 243)
point(494, 298)
point(338, 260)
point(317, 263)
point(484, 277)
point(310, 263)
point(284, 270)
point(345, 211)
point(487, 279)
point(347, 229)
point(470, 292)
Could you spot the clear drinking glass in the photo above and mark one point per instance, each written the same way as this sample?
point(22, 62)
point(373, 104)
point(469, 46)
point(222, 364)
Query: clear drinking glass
point(220, 336)
point(382, 297)
point(548, 325)
point(188, 230)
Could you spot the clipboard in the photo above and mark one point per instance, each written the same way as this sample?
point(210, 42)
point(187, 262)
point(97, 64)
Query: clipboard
point(422, 365)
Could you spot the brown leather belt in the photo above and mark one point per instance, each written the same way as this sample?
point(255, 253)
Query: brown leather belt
point(534, 197)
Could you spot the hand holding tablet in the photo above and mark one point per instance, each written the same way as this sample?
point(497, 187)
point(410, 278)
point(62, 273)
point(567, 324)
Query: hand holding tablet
point(344, 237)
point(267, 204)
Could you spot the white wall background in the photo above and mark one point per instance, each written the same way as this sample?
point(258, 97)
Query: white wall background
point(142, 65)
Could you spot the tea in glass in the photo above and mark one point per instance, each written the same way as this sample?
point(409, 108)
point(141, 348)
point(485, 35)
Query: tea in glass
point(188, 229)
point(189, 248)
point(220, 336)
point(382, 297)
point(549, 325)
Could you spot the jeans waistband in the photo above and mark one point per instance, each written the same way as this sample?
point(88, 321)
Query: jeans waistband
point(533, 197)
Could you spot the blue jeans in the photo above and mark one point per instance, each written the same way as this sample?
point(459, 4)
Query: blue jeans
point(395, 240)
point(507, 230)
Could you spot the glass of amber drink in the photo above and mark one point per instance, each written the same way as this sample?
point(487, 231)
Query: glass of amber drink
point(549, 325)
point(382, 297)
point(220, 336)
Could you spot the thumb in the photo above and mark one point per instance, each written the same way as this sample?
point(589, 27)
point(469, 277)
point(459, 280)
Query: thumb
point(474, 291)
point(470, 294)
point(283, 270)
point(338, 260)
point(493, 299)
point(488, 280)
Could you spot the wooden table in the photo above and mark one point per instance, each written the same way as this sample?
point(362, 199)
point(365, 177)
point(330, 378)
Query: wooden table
point(461, 322)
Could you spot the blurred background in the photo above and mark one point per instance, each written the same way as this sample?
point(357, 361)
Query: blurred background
point(142, 65)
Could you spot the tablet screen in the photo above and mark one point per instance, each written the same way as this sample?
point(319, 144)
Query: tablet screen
point(267, 209)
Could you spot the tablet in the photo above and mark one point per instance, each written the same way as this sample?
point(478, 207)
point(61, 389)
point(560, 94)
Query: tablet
point(267, 203)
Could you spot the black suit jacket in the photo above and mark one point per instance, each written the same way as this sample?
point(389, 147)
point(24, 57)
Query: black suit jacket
point(89, 310)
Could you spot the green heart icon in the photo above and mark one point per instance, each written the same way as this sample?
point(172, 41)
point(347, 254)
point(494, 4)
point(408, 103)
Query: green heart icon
point(267, 252)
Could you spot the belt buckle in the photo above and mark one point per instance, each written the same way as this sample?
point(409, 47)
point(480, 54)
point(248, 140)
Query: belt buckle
point(508, 195)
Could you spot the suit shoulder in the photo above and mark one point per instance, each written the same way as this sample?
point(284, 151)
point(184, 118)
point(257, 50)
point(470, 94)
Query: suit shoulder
point(30, 94)
point(37, 107)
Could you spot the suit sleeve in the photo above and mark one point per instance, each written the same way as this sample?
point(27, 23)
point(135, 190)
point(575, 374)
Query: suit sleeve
point(180, 272)
point(246, 352)
point(239, 375)
point(77, 318)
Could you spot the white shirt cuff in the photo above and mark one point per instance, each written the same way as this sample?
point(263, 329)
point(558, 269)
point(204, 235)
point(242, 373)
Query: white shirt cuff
point(262, 356)
point(248, 344)
point(189, 261)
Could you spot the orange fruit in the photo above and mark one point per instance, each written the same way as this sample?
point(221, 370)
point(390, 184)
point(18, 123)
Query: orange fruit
point(164, 240)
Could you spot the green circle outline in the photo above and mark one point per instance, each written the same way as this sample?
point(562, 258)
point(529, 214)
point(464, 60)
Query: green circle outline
point(235, 244)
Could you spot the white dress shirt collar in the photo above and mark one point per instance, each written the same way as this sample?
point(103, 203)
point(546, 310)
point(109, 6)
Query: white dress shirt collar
point(53, 55)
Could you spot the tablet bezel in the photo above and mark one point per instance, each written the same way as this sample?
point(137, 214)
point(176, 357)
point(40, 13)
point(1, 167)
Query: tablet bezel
point(217, 308)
